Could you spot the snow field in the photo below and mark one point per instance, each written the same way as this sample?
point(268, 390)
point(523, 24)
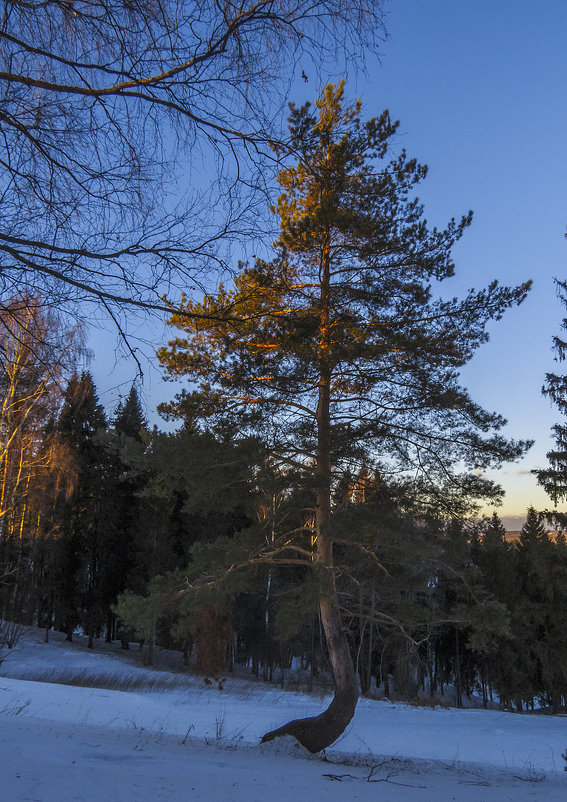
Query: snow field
point(188, 740)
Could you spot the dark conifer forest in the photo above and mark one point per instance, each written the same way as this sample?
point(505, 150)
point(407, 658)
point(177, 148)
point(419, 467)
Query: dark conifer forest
point(174, 540)
point(313, 514)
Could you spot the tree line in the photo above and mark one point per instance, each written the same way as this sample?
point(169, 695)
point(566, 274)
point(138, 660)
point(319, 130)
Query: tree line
point(104, 523)
point(312, 508)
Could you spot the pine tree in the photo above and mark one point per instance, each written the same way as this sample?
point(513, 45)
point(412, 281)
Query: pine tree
point(336, 351)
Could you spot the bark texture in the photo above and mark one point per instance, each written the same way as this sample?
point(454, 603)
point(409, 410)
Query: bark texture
point(318, 732)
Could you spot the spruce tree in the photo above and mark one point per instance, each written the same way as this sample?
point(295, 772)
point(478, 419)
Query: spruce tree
point(197, 489)
point(336, 350)
point(121, 551)
point(554, 478)
point(533, 531)
point(498, 584)
point(81, 517)
point(529, 615)
point(494, 534)
point(129, 418)
point(541, 622)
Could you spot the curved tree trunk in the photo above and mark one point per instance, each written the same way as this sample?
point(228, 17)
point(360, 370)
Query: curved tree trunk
point(321, 731)
point(318, 732)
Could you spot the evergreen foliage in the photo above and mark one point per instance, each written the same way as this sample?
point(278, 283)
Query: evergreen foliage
point(123, 555)
point(338, 353)
point(391, 350)
point(311, 516)
point(429, 605)
point(554, 478)
point(81, 517)
point(129, 418)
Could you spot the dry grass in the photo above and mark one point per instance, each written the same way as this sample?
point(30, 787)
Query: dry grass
point(10, 633)
point(115, 681)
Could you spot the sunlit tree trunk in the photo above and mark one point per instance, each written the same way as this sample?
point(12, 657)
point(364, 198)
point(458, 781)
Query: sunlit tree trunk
point(340, 349)
point(318, 732)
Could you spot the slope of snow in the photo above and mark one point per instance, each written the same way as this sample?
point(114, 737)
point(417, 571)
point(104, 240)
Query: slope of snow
point(61, 742)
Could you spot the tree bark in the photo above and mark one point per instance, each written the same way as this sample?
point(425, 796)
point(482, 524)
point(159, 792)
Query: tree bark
point(366, 690)
point(318, 732)
point(458, 683)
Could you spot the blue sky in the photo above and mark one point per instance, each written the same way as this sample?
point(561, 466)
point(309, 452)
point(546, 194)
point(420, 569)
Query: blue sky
point(480, 89)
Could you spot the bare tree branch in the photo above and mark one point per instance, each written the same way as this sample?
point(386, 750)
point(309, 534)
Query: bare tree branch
point(135, 137)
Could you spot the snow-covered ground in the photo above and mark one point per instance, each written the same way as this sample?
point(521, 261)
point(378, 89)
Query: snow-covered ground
point(174, 737)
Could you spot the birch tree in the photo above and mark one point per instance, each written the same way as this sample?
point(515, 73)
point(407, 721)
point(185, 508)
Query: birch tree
point(134, 135)
point(36, 352)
